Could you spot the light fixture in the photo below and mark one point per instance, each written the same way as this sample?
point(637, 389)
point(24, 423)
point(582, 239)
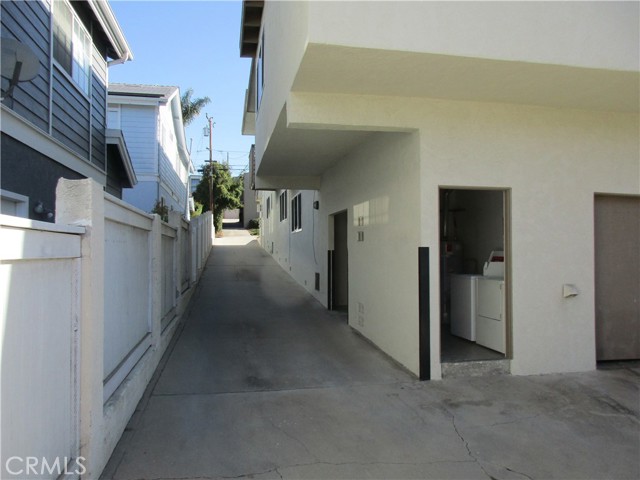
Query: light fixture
point(40, 209)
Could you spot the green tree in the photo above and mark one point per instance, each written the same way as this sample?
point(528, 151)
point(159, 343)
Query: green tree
point(191, 108)
point(227, 191)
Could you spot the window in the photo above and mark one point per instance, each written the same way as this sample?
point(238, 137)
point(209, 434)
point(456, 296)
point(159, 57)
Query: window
point(268, 206)
point(296, 213)
point(14, 204)
point(283, 206)
point(71, 45)
point(260, 74)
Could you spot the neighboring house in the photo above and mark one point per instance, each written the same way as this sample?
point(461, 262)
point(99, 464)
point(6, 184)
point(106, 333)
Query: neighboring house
point(194, 180)
point(150, 116)
point(54, 125)
point(399, 144)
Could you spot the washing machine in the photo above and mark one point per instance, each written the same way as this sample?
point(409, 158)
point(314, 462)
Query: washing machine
point(478, 305)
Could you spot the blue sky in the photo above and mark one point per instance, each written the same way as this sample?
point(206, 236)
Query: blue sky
point(191, 44)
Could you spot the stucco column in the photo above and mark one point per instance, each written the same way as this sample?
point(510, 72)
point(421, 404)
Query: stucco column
point(175, 220)
point(81, 202)
point(155, 261)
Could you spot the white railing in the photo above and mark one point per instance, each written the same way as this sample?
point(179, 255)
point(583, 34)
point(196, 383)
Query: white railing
point(88, 306)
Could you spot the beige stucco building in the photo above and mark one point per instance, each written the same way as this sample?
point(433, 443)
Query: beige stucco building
point(446, 131)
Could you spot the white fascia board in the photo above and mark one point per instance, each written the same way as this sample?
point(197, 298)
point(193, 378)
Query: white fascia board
point(24, 131)
point(112, 30)
point(134, 100)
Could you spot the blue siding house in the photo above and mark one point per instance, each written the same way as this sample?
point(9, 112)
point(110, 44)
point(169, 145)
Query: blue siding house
point(150, 117)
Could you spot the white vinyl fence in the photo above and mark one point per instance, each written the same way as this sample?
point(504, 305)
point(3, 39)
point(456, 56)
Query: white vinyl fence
point(88, 306)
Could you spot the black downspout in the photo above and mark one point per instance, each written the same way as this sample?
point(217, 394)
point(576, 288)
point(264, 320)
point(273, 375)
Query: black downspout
point(424, 313)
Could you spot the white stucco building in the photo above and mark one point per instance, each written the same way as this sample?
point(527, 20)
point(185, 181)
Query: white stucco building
point(150, 117)
point(400, 142)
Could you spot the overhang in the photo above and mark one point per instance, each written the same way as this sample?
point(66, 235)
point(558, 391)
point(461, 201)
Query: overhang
point(363, 71)
point(115, 142)
point(297, 157)
point(119, 48)
point(250, 27)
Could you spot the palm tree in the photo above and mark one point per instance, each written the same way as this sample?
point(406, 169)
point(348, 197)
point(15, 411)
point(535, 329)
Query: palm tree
point(191, 108)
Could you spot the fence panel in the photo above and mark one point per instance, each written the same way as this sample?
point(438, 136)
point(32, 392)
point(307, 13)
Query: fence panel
point(80, 308)
point(169, 286)
point(185, 247)
point(39, 305)
point(127, 270)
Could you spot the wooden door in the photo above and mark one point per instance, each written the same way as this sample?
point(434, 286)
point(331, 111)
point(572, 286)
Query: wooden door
point(617, 277)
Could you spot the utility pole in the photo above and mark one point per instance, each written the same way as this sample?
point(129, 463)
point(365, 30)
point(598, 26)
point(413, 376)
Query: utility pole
point(210, 163)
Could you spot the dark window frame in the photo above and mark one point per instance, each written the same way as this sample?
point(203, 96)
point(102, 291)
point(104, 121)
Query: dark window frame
point(296, 213)
point(284, 206)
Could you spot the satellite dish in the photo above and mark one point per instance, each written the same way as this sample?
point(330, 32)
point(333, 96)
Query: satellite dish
point(13, 52)
point(19, 63)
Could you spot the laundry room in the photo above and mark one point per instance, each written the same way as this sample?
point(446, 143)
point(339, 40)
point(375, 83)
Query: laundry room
point(473, 260)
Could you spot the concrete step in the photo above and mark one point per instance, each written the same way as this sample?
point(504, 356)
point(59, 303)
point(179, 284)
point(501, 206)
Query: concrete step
point(481, 368)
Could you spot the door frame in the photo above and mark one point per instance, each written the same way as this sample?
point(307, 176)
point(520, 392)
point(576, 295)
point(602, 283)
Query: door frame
point(508, 251)
point(331, 259)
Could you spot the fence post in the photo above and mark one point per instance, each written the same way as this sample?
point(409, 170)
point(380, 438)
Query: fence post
point(175, 220)
point(193, 238)
point(81, 202)
point(155, 260)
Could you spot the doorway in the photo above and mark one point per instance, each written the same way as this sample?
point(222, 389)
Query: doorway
point(339, 264)
point(617, 277)
point(474, 320)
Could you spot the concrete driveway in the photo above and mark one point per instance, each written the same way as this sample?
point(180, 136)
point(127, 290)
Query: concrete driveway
point(262, 382)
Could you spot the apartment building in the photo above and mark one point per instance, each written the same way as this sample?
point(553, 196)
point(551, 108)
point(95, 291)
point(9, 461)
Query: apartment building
point(462, 178)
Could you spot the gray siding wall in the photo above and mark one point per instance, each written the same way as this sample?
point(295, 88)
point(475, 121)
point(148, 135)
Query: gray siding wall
point(29, 22)
point(30, 173)
point(98, 121)
point(77, 121)
point(70, 120)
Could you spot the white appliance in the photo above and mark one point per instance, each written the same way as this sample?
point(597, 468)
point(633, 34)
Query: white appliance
point(490, 321)
point(478, 305)
point(463, 305)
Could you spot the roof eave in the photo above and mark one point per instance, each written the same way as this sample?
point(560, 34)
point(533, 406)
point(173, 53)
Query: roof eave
point(111, 27)
point(250, 27)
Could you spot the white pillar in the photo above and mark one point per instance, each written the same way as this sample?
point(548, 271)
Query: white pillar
point(81, 202)
point(155, 259)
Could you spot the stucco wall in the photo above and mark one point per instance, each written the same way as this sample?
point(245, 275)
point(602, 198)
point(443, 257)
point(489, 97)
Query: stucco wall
point(552, 162)
point(584, 34)
point(285, 38)
point(376, 181)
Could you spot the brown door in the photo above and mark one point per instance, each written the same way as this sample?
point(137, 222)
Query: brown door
point(617, 275)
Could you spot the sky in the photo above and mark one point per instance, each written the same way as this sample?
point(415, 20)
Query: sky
point(191, 44)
